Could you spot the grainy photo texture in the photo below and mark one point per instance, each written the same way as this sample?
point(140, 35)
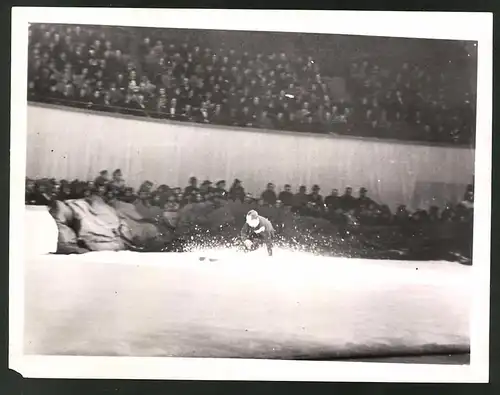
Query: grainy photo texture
point(262, 195)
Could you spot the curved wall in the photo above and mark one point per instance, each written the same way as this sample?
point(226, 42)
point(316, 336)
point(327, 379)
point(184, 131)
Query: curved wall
point(67, 143)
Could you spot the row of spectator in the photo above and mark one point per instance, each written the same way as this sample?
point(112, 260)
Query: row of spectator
point(106, 69)
point(334, 207)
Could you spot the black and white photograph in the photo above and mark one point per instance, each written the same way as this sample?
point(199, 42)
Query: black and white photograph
point(250, 195)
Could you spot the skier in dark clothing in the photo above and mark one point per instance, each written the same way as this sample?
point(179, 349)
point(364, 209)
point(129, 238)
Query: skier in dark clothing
point(256, 231)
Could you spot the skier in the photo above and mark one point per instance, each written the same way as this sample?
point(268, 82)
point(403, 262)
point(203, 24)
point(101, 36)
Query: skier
point(256, 231)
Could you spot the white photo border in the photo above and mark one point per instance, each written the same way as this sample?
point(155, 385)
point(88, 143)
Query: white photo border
point(433, 25)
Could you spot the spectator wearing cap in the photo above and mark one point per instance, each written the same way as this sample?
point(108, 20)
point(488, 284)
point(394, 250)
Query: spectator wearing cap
point(237, 192)
point(286, 196)
point(205, 188)
point(249, 199)
point(220, 189)
point(269, 195)
point(315, 198)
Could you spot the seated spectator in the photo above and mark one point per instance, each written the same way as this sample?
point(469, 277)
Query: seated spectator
point(286, 196)
point(170, 211)
point(100, 188)
point(205, 188)
point(220, 189)
point(315, 198)
point(468, 200)
point(420, 216)
point(103, 178)
point(434, 215)
point(332, 201)
point(192, 188)
point(385, 215)
point(237, 192)
point(301, 198)
point(364, 201)
point(128, 195)
point(30, 192)
point(43, 193)
point(249, 199)
point(217, 85)
point(269, 195)
point(402, 214)
point(117, 181)
point(448, 213)
point(347, 201)
point(65, 192)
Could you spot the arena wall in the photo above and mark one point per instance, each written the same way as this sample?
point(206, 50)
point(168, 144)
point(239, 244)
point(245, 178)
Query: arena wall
point(67, 143)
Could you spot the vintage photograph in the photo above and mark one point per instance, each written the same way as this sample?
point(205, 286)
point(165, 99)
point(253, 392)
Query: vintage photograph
point(223, 194)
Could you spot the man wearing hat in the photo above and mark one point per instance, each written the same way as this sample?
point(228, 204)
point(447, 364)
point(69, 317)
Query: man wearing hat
point(205, 188)
point(220, 189)
point(256, 231)
point(237, 192)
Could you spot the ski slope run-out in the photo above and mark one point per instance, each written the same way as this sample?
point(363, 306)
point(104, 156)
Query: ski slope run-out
point(293, 305)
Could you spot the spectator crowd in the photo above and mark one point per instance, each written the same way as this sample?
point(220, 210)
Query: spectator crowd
point(344, 210)
point(156, 73)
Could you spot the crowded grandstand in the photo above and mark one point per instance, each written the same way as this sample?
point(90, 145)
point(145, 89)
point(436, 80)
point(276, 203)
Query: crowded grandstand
point(339, 85)
point(261, 81)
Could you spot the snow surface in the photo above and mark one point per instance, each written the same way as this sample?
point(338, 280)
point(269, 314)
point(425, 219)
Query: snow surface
point(291, 306)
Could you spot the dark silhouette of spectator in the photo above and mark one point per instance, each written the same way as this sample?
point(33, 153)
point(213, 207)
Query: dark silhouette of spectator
point(128, 195)
point(237, 192)
point(332, 201)
point(448, 213)
point(30, 192)
point(103, 178)
point(434, 215)
point(269, 195)
point(205, 188)
point(315, 198)
point(300, 198)
point(468, 200)
point(65, 191)
point(363, 201)
point(192, 188)
point(402, 214)
point(286, 196)
point(43, 194)
point(347, 201)
point(220, 189)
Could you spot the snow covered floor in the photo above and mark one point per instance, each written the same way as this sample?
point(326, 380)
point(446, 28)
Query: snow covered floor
point(291, 306)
